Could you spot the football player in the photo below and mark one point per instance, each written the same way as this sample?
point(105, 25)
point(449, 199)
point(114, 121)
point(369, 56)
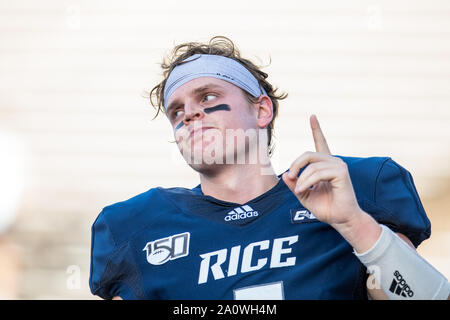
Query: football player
point(329, 227)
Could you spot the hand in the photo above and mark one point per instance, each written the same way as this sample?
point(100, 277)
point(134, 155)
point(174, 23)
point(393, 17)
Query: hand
point(331, 197)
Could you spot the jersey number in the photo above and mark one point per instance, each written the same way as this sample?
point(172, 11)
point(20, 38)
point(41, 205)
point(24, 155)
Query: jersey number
point(268, 291)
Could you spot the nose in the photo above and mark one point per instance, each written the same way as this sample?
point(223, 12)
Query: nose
point(192, 113)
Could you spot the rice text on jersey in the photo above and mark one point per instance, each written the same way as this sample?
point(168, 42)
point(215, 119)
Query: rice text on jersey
point(235, 256)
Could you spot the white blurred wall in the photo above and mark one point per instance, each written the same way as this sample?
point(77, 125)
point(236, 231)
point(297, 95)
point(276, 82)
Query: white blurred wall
point(73, 75)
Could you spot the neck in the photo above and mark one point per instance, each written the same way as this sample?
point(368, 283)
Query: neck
point(238, 183)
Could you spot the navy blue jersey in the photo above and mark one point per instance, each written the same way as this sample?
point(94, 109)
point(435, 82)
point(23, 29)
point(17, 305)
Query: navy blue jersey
point(177, 243)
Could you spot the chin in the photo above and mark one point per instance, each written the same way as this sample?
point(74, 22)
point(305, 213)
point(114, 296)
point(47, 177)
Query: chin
point(202, 152)
point(208, 156)
point(200, 159)
point(206, 169)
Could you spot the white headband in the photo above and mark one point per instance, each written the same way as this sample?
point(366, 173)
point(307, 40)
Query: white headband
point(207, 65)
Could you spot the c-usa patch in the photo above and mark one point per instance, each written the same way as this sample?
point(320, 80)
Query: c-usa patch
point(302, 216)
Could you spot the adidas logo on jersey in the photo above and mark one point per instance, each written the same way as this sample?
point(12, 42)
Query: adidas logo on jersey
point(400, 287)
point(242, 212)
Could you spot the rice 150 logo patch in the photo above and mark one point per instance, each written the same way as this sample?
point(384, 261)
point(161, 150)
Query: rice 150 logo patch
point(170, 248)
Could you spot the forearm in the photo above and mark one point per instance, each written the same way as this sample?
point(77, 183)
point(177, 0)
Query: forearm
point(400, 271)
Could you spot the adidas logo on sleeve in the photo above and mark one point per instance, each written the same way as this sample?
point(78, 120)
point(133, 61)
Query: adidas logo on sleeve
point(240, 213)
point(400, 287)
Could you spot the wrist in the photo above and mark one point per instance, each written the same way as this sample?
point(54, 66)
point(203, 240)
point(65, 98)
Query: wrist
point(361, 232)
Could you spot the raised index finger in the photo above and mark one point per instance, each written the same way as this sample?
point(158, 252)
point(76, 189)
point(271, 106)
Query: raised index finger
point(319, 139)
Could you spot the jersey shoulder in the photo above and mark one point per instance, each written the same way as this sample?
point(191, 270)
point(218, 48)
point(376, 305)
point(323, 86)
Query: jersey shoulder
point(364, 171)
point(386, 190)
point(125, 218)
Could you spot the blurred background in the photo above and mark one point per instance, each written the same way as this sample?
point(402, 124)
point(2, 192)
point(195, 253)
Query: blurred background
point(76, 131)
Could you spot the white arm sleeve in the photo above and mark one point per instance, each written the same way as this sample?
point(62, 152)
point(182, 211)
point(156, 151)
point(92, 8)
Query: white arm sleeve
point(402, 273)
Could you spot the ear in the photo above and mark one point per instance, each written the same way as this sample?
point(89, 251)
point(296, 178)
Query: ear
point(264, 111)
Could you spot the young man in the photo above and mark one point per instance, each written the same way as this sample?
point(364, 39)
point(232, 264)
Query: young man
point(314, 232)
